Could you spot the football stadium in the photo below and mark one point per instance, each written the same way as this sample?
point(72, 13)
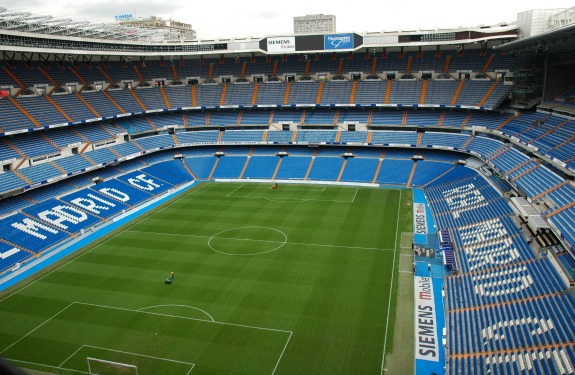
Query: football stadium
point(310, 203)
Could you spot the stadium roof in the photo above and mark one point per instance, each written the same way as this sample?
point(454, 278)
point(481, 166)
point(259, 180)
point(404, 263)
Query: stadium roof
point(18, 20)
point(557, 42)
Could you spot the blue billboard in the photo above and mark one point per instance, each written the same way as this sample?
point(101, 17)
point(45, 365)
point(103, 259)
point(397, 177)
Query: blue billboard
point(338, 41)
point(125, 16)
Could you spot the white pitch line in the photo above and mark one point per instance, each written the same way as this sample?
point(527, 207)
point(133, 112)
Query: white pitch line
point(391, 284)
point(281, 355)
point(174, 305)
point(63, 265)
point(128, 226)
point(238, 188)
point(141, 355)
point(37, 327)
point(177, 200)
point(182, 317)
point(71, 355)
point(284, 200)
point(356, 190)
point(292, 199)
point(312, 189)
point(269, 241)
point(43, 365)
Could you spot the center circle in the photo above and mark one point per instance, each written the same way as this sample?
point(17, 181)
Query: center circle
point(247, 241)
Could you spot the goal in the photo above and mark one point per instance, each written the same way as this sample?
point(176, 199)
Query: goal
point(98, 366)
point(299, 181)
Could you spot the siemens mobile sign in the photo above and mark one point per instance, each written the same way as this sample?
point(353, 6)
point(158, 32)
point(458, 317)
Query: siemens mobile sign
point(281, 44)
point(426, 342)
point(338, 41)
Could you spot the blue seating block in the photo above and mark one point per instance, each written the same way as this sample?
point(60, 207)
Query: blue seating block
point(230, 167)
point(95, 203)
point(171, 171)
point(121, 192)
point(261, 167)
point(30, 233)
point(145, 182)
point(62, 215)
point(10, 255)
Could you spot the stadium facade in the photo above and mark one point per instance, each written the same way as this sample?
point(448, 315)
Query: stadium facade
point(314, 23)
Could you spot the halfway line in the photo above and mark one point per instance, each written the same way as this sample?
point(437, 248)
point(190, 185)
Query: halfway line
point(268, 241)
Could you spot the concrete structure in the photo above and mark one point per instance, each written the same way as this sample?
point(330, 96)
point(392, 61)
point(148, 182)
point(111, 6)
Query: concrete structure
point(176, 29)
point(537, 21)
point(314, 23)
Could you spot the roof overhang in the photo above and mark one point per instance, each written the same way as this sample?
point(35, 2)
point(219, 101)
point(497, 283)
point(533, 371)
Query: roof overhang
point(558, 41)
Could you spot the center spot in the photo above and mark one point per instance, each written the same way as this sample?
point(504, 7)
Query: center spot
point(247, 241)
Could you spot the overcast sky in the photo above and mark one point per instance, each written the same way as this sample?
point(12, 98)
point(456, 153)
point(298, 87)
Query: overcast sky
point(213, 19)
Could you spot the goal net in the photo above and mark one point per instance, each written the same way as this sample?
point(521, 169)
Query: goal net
point(98, 366)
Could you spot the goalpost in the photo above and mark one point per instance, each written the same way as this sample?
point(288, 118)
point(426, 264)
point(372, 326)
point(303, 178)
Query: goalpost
point(299, 181)
point(98, 366)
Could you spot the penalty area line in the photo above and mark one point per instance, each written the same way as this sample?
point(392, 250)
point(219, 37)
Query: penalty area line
point(44, 365)
point(355, 195)
point(105, 239)
point(141, 355)
point(282, 353)
point(36, 328)
point(70, 356)
point(182, 317)
point(232, 193)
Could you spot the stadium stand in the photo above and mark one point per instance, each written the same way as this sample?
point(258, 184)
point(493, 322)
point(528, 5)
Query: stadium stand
point(94, 203)
point(121, 192)
point(30, 234)
point(507, 310)
point(271, 93)
point(325, 169)
point(74, 163)
point(230, 167)
point(262, 167)
point(11, 255)
point(359, 169)
point(201, 166)
point(293, 167)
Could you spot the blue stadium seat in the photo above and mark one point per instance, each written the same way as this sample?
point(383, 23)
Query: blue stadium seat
point(10, 255)
point(29, 233)
point(145, 182)
point(121, 192)
point(94, 203)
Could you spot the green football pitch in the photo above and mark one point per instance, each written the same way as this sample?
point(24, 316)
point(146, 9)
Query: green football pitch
point(295, 280)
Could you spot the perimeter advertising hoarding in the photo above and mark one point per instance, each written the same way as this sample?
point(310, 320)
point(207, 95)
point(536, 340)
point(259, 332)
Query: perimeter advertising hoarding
point(426, 342)
point(419, 218)
point(305, 43)
point(281, 44)
point(337, 41)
